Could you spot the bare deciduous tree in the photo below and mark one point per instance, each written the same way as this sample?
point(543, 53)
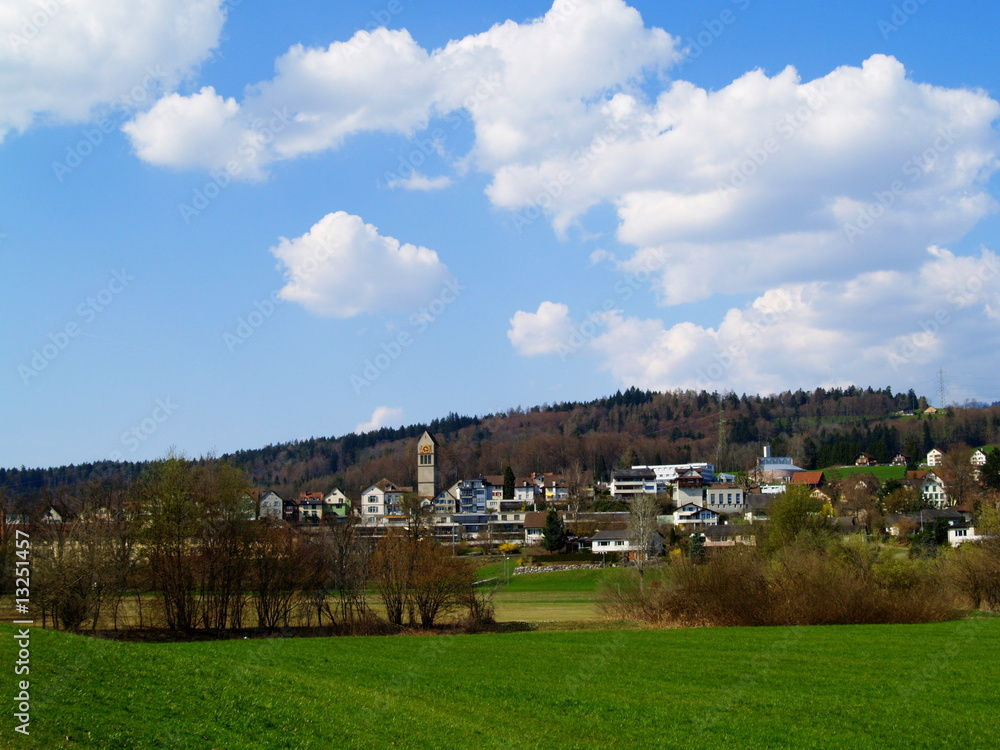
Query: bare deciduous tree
point(642, 530)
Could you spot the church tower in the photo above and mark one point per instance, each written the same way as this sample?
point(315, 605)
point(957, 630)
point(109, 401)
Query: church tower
point(427, 466)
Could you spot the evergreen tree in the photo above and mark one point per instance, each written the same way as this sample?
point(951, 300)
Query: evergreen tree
point(508, 483)
point(928, 440)
point(991, 470)
point(600, 469)
point(697, 551)
point(554, 534)
point(809, 454)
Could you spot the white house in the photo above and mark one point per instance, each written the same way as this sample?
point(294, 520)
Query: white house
point(527, 492)
point(724, 498)
point(272, 506)
point(931, 486)
point(381, 500)
point(691, 514)
point(961, 533)
point(447, 500)
point(934, 457)
point(668, 473)
point(534, 525)
point(615, 540)
point(627, 484)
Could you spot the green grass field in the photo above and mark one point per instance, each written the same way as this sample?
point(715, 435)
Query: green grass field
point(881, 472)
point(909, 686)
point(563, 596)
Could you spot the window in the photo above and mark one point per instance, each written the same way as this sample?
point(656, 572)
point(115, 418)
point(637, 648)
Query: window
point(426, 459)
point(729, 497)
point(373, 510)
point(373, 498)
point(619, 544)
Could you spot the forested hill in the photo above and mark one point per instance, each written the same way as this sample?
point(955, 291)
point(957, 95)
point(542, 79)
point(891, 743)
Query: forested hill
point(584, 441)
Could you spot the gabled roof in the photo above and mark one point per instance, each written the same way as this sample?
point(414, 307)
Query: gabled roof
point(609, 534)
point(535, 519)
point(698, 510)
point(386, 486)
point(809, 478)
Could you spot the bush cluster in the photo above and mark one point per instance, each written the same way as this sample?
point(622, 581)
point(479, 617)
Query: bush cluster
point(847, 582)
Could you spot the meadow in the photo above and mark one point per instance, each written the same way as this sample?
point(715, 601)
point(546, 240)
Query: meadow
point(578, 681)
point(559, 598)
point(899, 686)
point(882, 473)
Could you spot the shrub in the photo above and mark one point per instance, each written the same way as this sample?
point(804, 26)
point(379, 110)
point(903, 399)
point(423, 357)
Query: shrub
point(799, 586)
point(973, 570)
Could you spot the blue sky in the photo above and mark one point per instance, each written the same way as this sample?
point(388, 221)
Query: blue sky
point(231, 224)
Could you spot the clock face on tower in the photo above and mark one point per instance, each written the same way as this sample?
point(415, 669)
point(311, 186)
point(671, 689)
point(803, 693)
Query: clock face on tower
point(425, 449)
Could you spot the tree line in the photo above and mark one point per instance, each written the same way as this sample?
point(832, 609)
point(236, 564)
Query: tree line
point(587, 440)
point(179, 549)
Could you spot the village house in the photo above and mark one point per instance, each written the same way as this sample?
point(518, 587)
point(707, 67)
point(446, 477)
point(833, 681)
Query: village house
point(627, 484)
point(961, 533)
point(473, 495)
point(618, 540)
point(729, 536)
point(979, 455)
point(905, 523)
point(271, 506)
point(336, 503)
point(666, 474)
point(693, 514)
point(527, 492)
point(724, 498)
point(290, 509)
point(931, 486)
point(310, 507)
point(534, 525)
point(382, 501)
point(446, 501)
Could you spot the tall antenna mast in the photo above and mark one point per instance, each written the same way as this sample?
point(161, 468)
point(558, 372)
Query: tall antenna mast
point(941, 388)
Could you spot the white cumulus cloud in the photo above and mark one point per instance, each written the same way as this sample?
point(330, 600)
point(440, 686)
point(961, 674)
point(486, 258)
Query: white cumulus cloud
point(526, 87)
point(542, 332)
point(878, 327)
point(62, 61)
point(775, 179)
point(343, 267)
